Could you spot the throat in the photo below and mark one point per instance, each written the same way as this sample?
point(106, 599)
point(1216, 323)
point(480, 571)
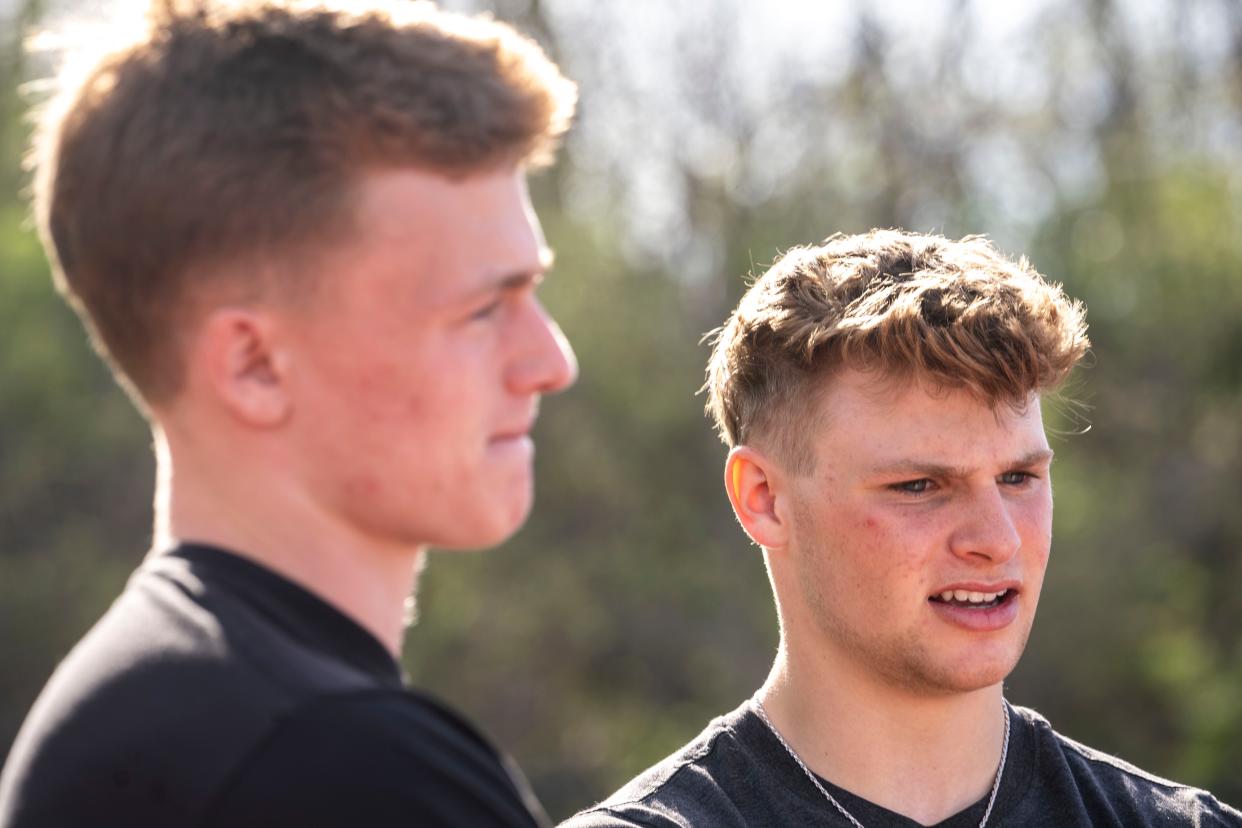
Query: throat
point(927, 792)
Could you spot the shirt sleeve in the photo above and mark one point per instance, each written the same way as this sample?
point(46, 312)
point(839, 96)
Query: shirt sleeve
point(375, 761)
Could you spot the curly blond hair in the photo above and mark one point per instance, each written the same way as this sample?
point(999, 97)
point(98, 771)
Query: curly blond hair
point(954, 314)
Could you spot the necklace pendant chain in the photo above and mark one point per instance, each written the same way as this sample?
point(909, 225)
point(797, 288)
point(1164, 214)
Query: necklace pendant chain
point(1000, 769)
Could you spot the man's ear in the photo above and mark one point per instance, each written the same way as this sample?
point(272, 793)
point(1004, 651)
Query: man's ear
point(753, 482)
point(246, 370)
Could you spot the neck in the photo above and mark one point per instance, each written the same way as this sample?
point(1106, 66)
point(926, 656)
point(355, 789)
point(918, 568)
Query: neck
point(248, 512)
point(926, 757)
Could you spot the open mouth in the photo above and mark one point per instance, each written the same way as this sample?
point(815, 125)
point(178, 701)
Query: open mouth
point(973, 600)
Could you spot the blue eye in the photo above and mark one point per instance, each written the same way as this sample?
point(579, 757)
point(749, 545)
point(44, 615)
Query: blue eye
point(913, 486)
point(1016, 478)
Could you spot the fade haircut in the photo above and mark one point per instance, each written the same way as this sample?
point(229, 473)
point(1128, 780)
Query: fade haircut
point(234, 135)
point(903, 306)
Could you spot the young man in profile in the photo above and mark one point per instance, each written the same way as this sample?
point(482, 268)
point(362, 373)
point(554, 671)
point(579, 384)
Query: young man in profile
point(302, 237)
point(880, 395)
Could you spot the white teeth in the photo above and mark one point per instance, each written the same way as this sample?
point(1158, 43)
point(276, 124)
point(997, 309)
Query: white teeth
point(966, 596)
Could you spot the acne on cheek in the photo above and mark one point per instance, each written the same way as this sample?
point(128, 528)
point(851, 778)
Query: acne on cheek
point(872, 532)
point(886, 548)
point(363, 486)
point(873, 525)
point(869, 531)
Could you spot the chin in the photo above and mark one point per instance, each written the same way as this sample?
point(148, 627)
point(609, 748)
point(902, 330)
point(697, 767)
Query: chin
point(940, 684)
point(485, 530)
point(967, 678)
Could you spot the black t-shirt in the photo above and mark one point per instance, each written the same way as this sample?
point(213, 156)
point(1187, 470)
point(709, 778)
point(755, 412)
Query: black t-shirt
point(216, 693)
point(737, 774)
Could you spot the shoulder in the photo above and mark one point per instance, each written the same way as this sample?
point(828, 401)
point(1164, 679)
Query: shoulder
point(142, 717)
point(376, 758)
point(1104, 785)
point(604, 817)
point(693, 786)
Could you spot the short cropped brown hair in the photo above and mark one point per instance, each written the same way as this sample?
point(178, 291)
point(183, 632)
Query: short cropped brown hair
point(234, 133)
point(955, 314)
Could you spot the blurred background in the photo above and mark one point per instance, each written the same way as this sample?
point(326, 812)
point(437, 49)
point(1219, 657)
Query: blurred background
point(1101, 137)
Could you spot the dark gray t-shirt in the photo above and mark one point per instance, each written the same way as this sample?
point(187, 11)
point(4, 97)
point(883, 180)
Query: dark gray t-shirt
point(737, 774)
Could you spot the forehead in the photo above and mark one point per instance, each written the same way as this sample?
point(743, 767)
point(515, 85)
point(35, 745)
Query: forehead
point(446, 237)
point(876, 420)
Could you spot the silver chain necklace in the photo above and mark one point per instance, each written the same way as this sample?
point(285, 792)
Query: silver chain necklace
point(763, 714)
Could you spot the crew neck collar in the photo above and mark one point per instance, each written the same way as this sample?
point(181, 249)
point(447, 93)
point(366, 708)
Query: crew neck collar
point(302, 614)
point(1014, 781)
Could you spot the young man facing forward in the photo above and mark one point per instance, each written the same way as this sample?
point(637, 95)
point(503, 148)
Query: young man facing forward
point(881, 398)
point(303, 238)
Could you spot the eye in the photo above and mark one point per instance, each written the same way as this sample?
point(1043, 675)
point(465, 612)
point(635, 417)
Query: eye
point(487, 311)
point(1016, 478)
point(920, 486)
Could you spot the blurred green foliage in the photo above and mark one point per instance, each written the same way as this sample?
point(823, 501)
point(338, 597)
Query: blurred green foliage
point(75, 472)
point(631, 608)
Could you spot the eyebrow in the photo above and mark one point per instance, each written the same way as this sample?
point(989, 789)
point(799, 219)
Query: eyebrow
point(547, 258)
point(928, 469)
point(521, 278)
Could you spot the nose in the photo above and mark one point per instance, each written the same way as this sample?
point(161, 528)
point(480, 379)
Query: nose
point(987, 531)
point(546, 363)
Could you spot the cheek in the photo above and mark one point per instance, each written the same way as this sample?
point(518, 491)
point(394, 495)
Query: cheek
point(366, 486)
point(396, 398)
point(359, 378)
point(876, 544)
point(885, 554)
point(383, 385)
point(894, 552)
point(894, 541)
point(1037, 550)
point(1036, 529)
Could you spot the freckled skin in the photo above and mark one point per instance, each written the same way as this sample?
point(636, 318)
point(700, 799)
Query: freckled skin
point(866, 555)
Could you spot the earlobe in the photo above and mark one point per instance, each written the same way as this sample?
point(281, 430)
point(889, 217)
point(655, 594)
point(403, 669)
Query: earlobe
point(245, 366)
point(752, 482)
